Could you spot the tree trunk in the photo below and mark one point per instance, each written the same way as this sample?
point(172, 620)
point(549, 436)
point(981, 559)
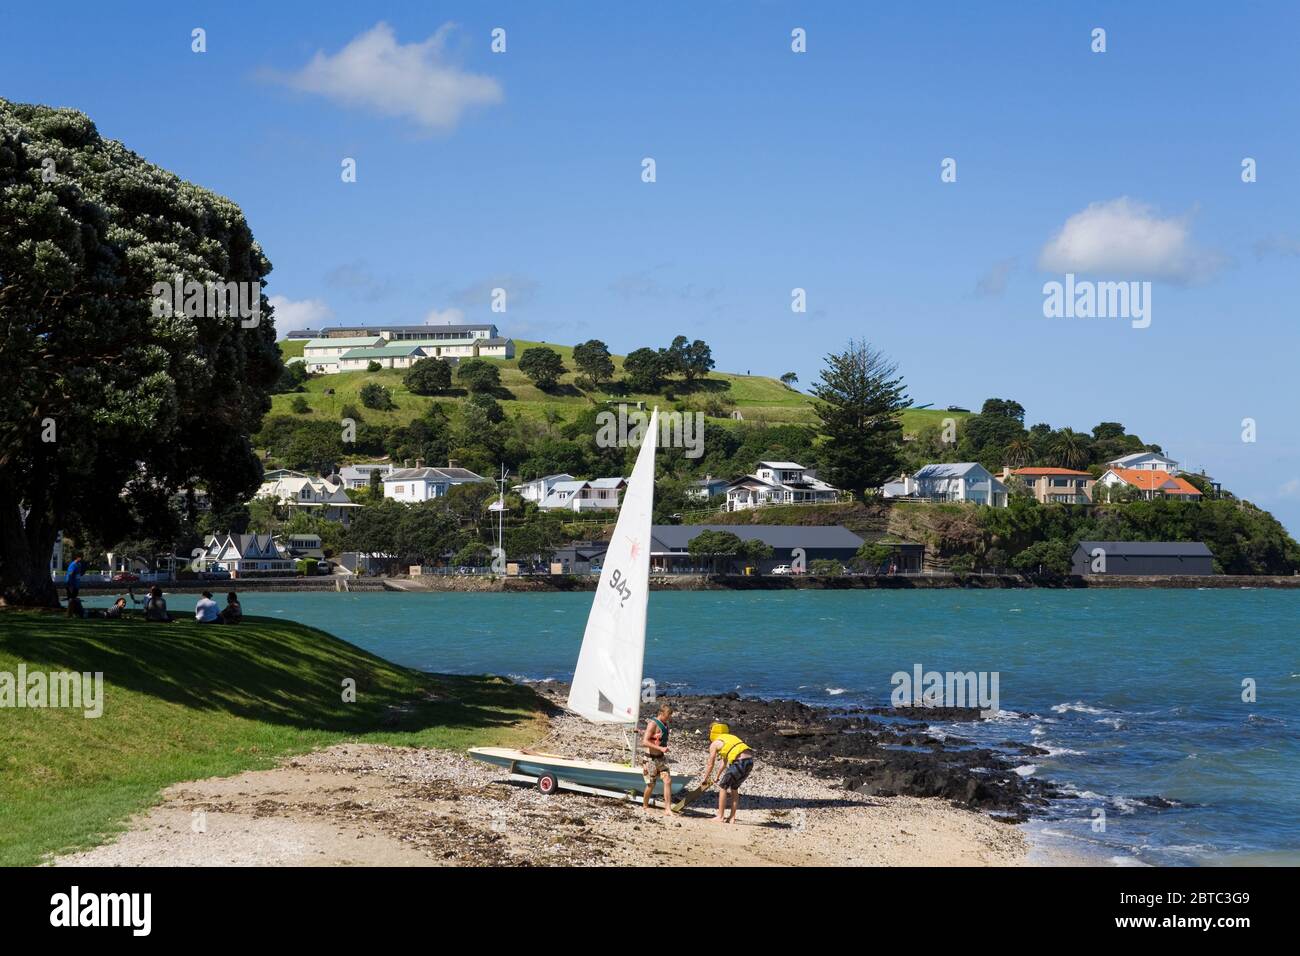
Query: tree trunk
point(24, 557)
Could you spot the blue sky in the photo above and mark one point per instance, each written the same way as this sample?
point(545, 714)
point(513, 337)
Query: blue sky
point(775, 170)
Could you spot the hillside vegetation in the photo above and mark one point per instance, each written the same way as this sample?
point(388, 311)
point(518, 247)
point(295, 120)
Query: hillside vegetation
point(758, 398)
point(184, 702)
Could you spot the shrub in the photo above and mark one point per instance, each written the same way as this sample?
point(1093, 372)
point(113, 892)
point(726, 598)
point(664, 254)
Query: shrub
point(376, 396)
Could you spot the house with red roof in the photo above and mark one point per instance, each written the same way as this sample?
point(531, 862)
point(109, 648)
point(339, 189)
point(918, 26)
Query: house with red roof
point(1149, 484)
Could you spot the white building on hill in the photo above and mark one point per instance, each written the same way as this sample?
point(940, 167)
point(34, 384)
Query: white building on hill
point(966, 481)
point(598, 494)
point(320, 496)
point(330, 350)
point(779, 483)
point(413, 485)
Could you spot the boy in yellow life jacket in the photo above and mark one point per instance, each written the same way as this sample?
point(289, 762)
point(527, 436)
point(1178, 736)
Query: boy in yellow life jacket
point(654, 761)
point(736, 762)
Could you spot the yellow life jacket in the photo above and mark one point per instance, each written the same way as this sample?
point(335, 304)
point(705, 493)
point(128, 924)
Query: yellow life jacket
point(732, 747)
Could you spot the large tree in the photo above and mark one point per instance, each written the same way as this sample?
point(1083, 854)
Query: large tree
point(479, 375)
point(646, 369)
point(112, 405)
point(428, 376)
point(861, 396)
point(544, 366)
point(593, 360)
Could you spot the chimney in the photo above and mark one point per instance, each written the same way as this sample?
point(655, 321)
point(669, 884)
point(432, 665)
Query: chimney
point(453, 462)
point(406, 463)
point(419, 463)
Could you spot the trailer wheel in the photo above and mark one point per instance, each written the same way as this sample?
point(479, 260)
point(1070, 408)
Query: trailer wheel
point(548, 783)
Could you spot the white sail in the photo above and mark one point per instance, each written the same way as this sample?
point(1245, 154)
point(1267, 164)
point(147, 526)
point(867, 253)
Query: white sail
point(607, 681)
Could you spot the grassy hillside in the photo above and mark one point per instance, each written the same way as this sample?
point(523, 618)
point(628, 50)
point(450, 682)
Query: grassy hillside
point(183, 703)
point(756, 397)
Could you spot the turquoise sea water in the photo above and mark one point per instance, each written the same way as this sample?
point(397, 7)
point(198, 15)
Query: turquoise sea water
point(1136, 693)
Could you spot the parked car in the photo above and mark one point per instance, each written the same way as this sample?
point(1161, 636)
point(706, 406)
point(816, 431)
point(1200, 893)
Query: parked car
point(125, 577)
point(782, 569)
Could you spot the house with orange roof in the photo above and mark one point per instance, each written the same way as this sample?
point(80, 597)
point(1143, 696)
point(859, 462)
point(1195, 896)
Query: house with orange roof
point(1054, 485)
point(1150, 484)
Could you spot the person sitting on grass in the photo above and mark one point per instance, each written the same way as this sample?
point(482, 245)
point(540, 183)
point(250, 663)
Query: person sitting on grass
point(737, 761)
point(206, 610)
point(155, 607)
point(654, 762)
point(232, 613)
point(118, 611)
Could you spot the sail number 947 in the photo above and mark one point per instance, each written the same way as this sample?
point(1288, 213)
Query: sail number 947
point(619, 584)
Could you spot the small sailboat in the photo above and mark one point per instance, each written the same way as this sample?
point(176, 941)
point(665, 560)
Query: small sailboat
point(607, 680)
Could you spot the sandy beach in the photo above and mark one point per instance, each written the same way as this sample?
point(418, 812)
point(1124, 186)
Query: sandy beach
point(366, 805)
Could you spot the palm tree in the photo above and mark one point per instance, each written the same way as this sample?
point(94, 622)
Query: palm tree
point(1019, 452)
point(1070, 449)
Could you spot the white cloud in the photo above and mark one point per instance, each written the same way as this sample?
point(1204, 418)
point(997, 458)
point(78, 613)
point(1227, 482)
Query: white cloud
point(1125, 237)
point(293, 316)
point(443, 317)
point(1290, 489)
point(412, 81)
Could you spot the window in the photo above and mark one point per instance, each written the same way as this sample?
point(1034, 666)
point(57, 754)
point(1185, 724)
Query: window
point(399, 490)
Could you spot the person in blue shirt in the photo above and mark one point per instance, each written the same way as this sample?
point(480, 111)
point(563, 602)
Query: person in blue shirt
point(75, 570)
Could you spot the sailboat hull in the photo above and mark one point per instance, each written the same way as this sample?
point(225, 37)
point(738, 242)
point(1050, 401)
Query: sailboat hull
point(592, 774)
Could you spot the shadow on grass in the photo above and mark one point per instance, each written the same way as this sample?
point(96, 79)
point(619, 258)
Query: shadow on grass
point(266, 670)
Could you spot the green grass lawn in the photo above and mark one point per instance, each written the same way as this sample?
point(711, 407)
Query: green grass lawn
point(758, 398)
point(184, 702)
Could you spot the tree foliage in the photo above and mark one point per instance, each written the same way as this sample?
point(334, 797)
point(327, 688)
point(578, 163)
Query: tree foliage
point(374, 395)
point(479, 375)
point(141, 404)
point(860, 397)
point(543, 366)
point(593, 360)
point(428, 376)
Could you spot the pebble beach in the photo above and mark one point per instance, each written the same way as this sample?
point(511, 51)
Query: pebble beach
point(360, 805)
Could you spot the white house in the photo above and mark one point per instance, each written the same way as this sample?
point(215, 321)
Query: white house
point(598, 494)
point(436, 341)
point(779, 483)
point(357, 477)
point(386, 356)
point(957, 481)
point(538, 489)
point(417, 484)
point(294, 490)
point(322, 355)
point(1145, 461)
point(238, 553)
